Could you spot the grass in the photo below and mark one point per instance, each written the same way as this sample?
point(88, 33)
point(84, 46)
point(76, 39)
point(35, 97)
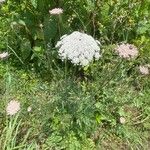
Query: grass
point(73, 113)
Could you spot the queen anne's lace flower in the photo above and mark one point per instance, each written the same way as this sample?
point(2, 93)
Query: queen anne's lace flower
point(127, 50)
point(144, 70)
point(79, 48)
point(29, 108)
point(122, 120)
point(2, 1)
point(12, 107)
point(4, 55)
point(56, 11)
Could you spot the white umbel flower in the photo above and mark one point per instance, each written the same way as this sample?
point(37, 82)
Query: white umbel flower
point(56, 11)
point(12, 107)
point(29, 109)
point(79, 48)
point(127, 50)
point(144, 70)
point(122, 120)
point(4, 55)
point(2, 1)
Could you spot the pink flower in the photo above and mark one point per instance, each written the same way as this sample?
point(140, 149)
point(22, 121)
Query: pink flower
point(56, 11)
point(122, 120)
point(12, 107)
point(127, 50)
point(4, 55)
point(144, 70)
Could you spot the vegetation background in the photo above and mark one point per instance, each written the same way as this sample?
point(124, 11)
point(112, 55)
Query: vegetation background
point(103, 106)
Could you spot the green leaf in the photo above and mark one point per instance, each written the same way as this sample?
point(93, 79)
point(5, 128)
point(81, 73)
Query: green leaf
point(34, 3)
point(21, 22)
point(50, 30)
point(37, 49)
point(25, 49)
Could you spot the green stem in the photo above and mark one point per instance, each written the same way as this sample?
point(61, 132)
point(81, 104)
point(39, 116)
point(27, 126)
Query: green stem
point(59, 25)
point(112, 74)
point(15, 54)
point(84, 27)
point(65, 69)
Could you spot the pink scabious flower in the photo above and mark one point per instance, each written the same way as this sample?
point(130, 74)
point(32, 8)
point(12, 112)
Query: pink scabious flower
point(4, 55)
point(12, 107)
point(127, 50)
point(144, 70)
point(56, 11)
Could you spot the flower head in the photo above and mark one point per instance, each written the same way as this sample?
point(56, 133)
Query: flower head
point(127, 50)
point(79, 48)
point(29, 108)
point(122, 120)
point(2, 1)
point(56, 11)
point(4, 55)
point(12, 107)
point(144, 70)
point(41, 25)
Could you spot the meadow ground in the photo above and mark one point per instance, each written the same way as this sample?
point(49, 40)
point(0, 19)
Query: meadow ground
point(74, 113)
